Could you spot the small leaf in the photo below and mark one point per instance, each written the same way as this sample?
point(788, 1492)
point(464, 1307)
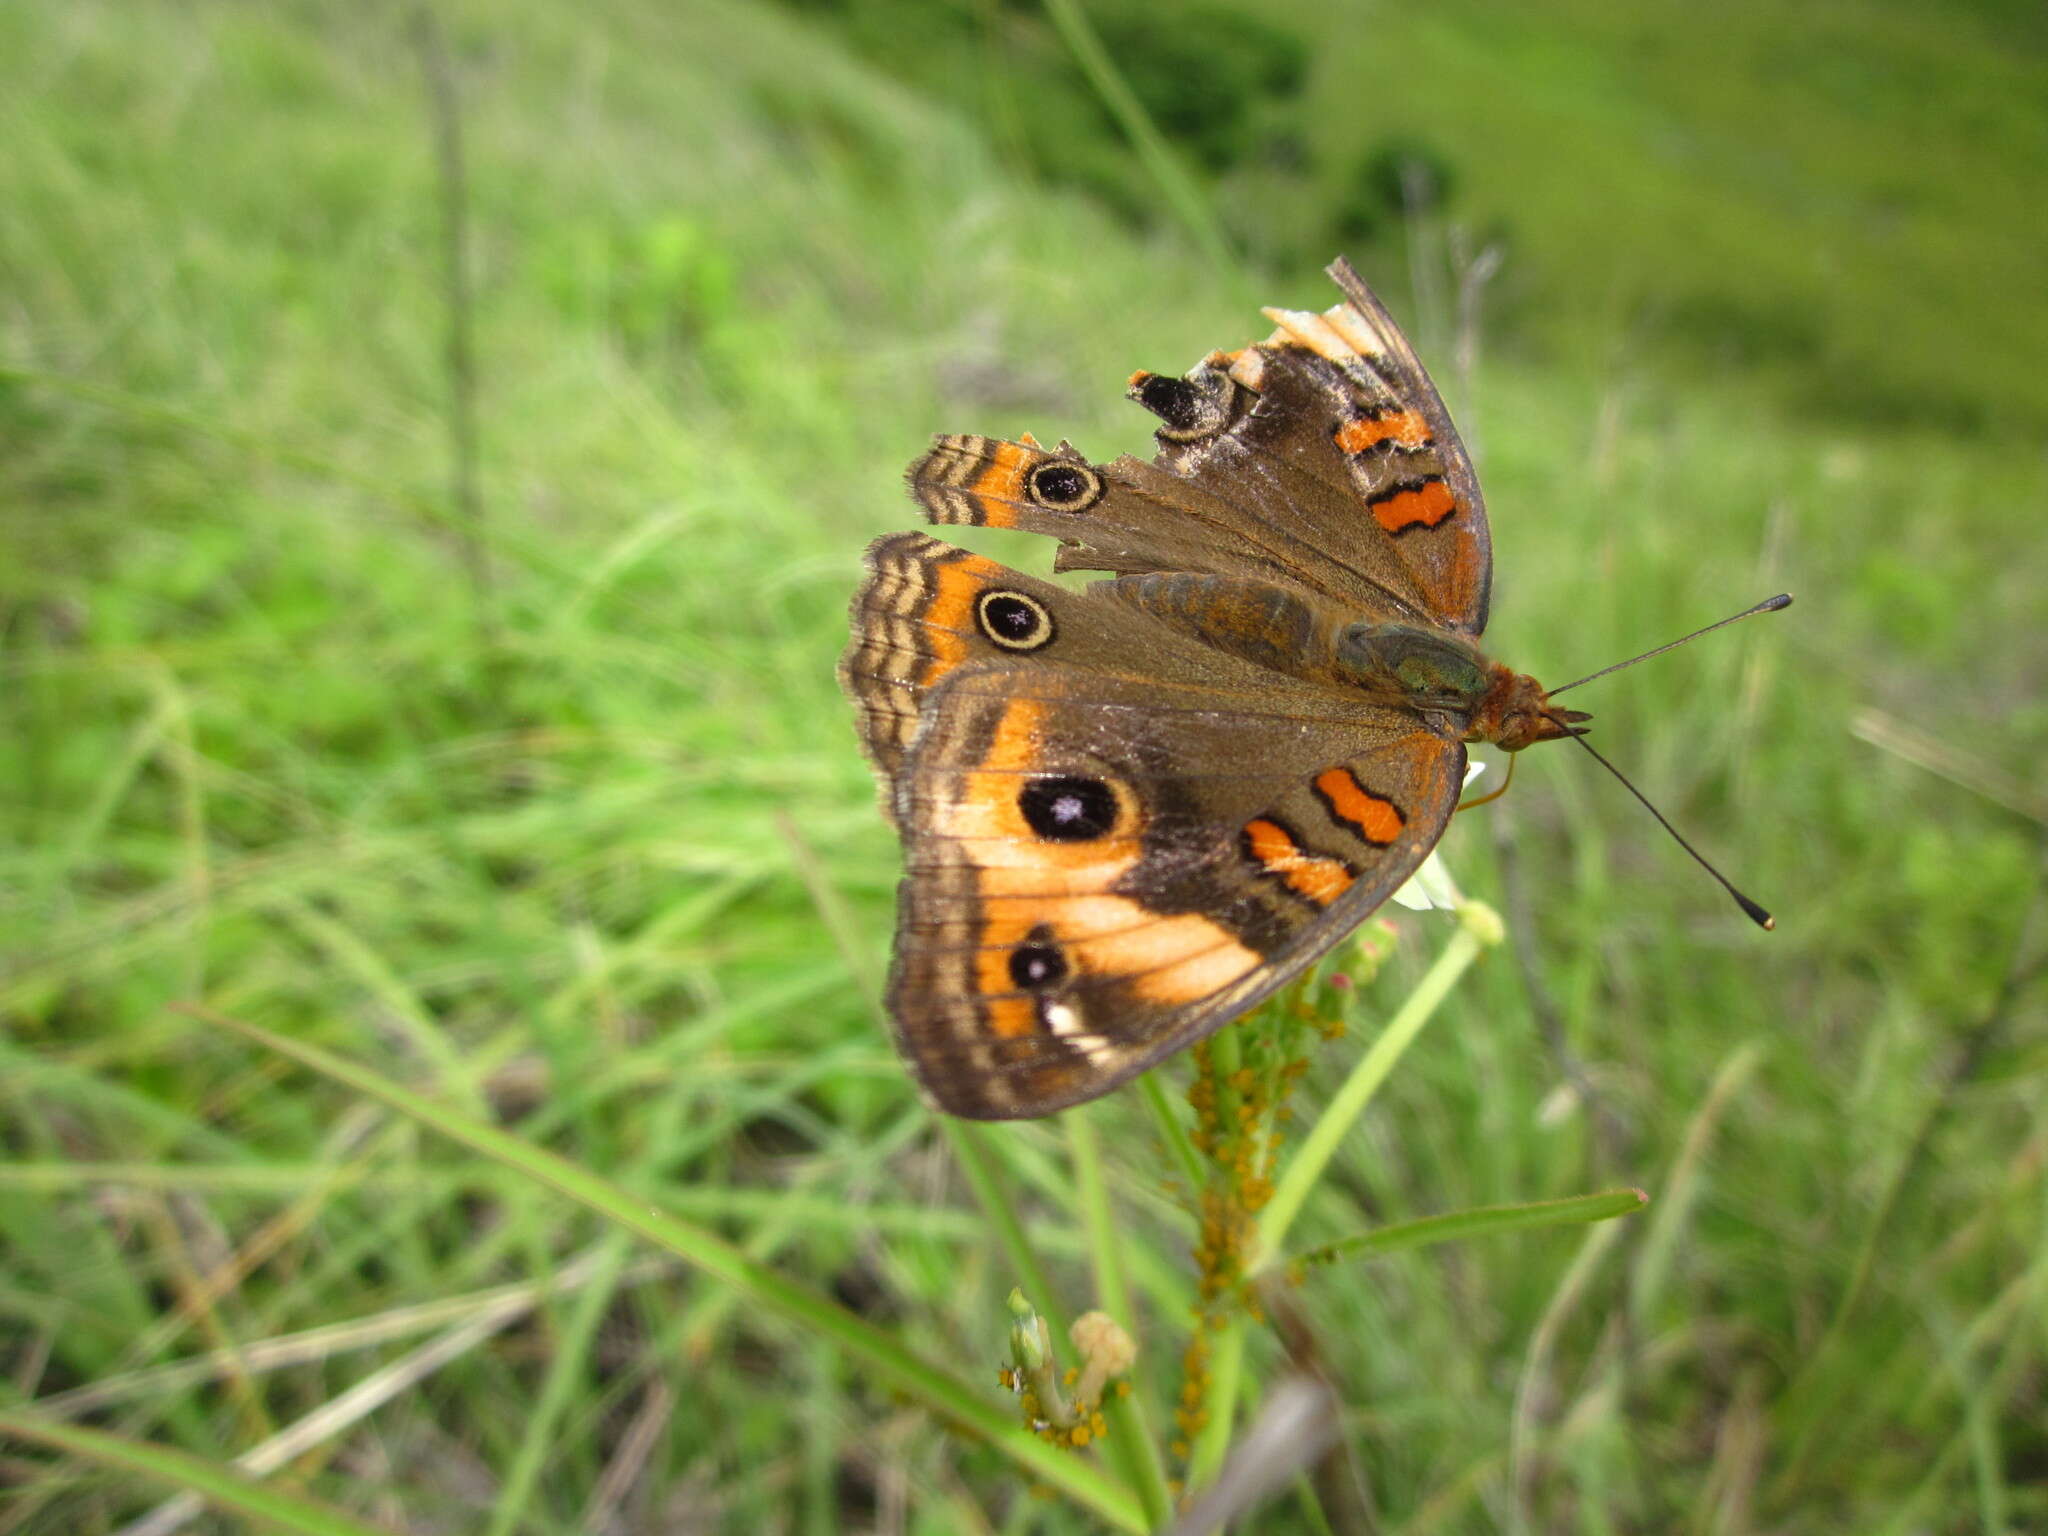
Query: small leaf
point(1480, 1221)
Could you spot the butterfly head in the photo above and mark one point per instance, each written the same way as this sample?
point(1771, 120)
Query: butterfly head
point(1516, 712)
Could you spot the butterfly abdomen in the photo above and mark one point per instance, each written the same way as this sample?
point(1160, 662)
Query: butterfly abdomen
point(1269, 625)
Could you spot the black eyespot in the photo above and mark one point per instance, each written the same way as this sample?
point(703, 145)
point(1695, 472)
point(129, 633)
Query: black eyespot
point(1014, 621)
point(1069, 809)
point(1173, 401)
point(1037, 966)
point(1186, 410)
point(1061, 486)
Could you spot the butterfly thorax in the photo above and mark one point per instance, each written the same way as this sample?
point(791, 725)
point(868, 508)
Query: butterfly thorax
point(1442, 673)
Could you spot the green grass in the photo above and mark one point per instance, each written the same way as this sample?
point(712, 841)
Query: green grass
point(266, 746)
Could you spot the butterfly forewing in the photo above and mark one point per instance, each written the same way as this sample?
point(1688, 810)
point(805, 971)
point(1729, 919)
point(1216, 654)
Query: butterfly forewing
point(1451, 554)
point(1334, 432)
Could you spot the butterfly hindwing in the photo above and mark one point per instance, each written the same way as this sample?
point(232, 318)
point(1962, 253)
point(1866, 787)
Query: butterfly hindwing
point(1102, 868)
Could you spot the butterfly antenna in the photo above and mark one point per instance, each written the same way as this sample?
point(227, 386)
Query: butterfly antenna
point(1768, 605)
point(1755, 913)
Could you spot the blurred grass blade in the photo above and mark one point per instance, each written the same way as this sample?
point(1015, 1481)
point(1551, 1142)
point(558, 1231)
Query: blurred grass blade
point(1173, 1135)
point(1681, 1187)
point(979, 1165)
point(1535, 1389)
point(224, 1490)
point(571, 1356)
point(332, 1340)
point(330, 1420)
point(1940, 757)
point(1182, 194)
point(1480, 1221)
point(876, 1351)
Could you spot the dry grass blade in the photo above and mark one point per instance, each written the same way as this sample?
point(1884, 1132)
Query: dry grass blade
point(1534, 1390)
point(1296, 1425)
point(1889, 734)
point(622, 1473)
point(503, 1301)
point(364, 1398)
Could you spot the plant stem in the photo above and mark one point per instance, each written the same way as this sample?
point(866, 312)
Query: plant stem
point(1478, 928)
point(1131, 1446)
point(460, 344)
point(1219, 1403)
point(1171, 1131)
point(970, 1148)
point(1480, 1221)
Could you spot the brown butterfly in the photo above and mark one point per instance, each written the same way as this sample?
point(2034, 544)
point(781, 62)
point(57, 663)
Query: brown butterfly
point(1131, 813)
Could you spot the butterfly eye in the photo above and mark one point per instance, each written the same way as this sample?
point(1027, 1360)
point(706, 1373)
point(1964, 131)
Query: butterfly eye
point(1069, 809)
point(1013, 620)
point(1060, 485)
point(1517, 731)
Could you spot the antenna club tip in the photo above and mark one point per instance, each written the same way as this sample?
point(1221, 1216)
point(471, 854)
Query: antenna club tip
point(1756, 914)
point(1782, 600)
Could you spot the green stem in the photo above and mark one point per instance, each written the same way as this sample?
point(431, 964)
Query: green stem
point(1226, 1371)
point(970, 1148)
point(1171, 1131)
point(1226, 1055)
point(1478, 928)
point(1091, 1193)
point(1131, 1446)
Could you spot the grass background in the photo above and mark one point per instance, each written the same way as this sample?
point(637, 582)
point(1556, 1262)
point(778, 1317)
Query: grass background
point(1768, 316)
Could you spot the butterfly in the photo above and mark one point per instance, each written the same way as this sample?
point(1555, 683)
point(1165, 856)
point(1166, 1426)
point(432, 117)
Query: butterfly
point(1131, 813)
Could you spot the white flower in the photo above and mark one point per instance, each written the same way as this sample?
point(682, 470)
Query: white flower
point(1431, 888)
